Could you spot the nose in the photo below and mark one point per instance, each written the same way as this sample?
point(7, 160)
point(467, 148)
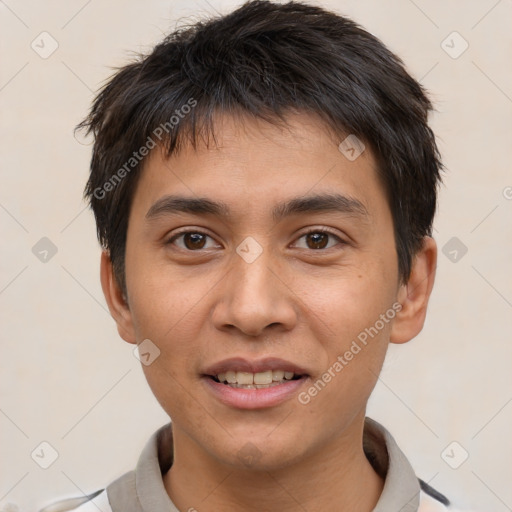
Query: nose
point(254, 298)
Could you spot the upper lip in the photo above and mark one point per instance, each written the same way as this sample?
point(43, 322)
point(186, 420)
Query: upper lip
point(253, 366)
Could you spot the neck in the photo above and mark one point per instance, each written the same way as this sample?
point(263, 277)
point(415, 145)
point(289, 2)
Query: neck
point(337, 476)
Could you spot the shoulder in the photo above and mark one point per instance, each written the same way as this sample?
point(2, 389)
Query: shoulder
point(92, 503)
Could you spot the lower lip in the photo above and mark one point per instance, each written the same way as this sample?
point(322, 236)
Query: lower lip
point(241, 398)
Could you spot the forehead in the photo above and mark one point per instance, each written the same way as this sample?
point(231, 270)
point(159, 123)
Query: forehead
point(250, 165)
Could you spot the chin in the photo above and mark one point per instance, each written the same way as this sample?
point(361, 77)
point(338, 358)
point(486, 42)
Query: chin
point(259, 453)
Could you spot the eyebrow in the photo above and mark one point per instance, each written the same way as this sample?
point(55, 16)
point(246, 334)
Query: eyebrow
point(172, 204)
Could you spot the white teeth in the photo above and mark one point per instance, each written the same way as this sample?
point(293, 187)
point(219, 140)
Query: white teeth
point(244, 378)
point(230, 377)
point(254, 386)
point(263, 377)
point(277, 375)
point(255, 380)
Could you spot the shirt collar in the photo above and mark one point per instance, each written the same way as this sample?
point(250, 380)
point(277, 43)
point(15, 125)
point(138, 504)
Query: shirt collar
point(401, 487)
point(401, 490)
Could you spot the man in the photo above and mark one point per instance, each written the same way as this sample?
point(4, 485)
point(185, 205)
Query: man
point(264, 186)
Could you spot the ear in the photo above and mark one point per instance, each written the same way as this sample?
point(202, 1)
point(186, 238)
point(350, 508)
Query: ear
point(414, 295)
point(116, 302)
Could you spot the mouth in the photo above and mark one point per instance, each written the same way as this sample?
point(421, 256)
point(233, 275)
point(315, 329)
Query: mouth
point(244, 384)
point(249, 380)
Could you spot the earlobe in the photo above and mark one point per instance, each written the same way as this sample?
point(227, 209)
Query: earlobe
point(116, 302)
point(415, 294)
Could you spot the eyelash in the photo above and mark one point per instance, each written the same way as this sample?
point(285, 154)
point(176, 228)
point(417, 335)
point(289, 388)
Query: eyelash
point(325, 231)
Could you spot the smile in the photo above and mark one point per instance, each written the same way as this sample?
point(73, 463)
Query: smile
point(260, 380)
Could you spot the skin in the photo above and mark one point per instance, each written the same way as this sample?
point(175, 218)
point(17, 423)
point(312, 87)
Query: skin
point(295, 301)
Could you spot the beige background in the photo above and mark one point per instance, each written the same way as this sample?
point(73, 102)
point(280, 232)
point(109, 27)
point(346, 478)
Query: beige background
point(68, 379)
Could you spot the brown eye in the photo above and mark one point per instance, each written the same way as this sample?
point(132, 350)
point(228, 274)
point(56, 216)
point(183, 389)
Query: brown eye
point(190, 240)
point(319, 239)
point(194, 240)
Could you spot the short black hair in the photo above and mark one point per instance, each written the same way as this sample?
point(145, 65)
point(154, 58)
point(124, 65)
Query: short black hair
point(265, 60)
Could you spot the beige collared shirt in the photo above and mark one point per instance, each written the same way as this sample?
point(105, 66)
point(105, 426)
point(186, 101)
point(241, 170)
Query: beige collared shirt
point(142, 490)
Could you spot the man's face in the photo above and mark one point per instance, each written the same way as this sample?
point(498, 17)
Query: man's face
point(248, 290)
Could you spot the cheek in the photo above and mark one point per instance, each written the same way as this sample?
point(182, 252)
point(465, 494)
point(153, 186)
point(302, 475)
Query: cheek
point(162, 300)
point(171, 322)
point(167, 316)
point(349, 325)
point(353, 318)
point(342, 308)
